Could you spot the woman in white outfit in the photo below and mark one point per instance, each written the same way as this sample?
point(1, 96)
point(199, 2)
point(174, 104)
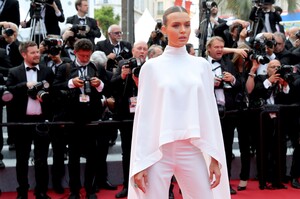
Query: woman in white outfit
point(176, 126)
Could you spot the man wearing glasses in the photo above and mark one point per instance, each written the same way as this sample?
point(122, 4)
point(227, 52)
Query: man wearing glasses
point(114, 48)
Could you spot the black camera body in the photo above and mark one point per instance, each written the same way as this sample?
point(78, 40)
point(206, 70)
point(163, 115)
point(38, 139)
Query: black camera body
point(208, 4)
point(9, 32)
point(43, 1)
point(124, 54)
point(258, 51)
point(40, 90)
point(135, 64)
point(264, 2)
point(286, 72)
point(78, 27)
point(54, 46)
point(87, 88)
point(297, 34)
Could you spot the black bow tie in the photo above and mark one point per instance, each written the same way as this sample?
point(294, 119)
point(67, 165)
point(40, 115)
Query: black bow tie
point(82, 67)
point(29, 68)
point(81, 19)
point(218, 61)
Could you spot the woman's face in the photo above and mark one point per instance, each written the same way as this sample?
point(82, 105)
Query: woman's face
point(177, 29)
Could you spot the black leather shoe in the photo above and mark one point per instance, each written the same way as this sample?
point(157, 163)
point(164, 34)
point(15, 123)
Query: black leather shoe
point(91, 196)
point(295, 183)
point(42, 196)
point(74, 196)
point(123, 193)
point(107, 185)
point(2, 165)
point(22, 196)
point(232, 191)
point(58, 189)
point(240, 188)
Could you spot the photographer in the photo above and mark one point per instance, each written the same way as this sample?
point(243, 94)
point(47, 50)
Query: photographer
point(114, 48)
point(84, 26)
point(48, 12)
point(293, 38)
point(272, 88)
point(263, 46)
point(125, 92)
point(157, 37)
point(83, 89)
point(29, 85)
point(264, 17)
point(283, 55)
point(7, 7)
point(226, 87)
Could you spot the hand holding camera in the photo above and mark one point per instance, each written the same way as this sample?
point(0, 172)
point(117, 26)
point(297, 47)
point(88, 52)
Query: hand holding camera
point(125, 71)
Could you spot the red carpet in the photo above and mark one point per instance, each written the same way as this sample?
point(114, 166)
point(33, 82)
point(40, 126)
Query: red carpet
point(252, 192)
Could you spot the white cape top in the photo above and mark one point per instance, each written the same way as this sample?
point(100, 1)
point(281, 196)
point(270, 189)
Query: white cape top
point(176, 102)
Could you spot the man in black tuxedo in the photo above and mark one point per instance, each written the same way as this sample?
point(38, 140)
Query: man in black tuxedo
point(272, 88)
point(264, 17)
point(32, 108)
point(92, 30)
point(10, 44)
point(51, 15)
point(81, 80)
point(10, 11)
point(226, 88)
point(114, 48)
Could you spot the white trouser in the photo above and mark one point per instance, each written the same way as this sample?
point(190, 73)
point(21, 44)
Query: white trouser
point(187, 164)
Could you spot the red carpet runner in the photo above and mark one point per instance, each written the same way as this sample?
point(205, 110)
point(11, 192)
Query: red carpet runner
point(252, 192)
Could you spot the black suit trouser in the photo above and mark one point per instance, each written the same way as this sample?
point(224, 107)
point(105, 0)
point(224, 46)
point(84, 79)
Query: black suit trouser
point(24, 138)
point(81, 139)
point(126, 136)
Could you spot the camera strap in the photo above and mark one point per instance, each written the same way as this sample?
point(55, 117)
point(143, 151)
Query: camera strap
point(2, 5)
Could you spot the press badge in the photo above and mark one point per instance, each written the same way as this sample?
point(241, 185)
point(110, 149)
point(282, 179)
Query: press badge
point(132, 104)
point(84, 98)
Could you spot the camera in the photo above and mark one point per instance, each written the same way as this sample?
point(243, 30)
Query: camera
point(135, 64)
point(86, 84)
point(42, 1)
point(258, 51)
point(40, 90)
point(6, 95)
point(297, 34)
point(124, 54)
point(223, 83)
point(263, 2)
point(208, 4)
point(286, 72)
point(8, 31)
point(80, 30)
point(54, 45)
point(240, 28)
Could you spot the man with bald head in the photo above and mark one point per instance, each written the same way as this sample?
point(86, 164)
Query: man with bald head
point(291, 33)
point(125, 91)
point(272, 89)
point(114, 48)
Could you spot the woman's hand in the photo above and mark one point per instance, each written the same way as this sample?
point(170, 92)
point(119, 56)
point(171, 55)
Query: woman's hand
point(214, 171)
point(141, 180)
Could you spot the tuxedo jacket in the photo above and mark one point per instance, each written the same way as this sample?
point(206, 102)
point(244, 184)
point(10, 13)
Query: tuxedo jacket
point(108, 48)
point(51, 20)
point(274, 19)
point(15, 57)
point(230, 93)
point(79, 111)
point(11, 12)
point(260, 91)
point(16, 83)
point(5, 64)
point(94, 29)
